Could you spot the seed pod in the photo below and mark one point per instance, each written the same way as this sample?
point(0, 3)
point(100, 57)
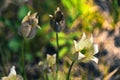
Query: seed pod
point(29, 26)
point(57, 21)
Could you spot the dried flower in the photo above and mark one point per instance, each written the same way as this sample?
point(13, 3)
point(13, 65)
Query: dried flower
point(12, 75)
point(12, 71)
point(86, 49)
point(48, 64)
point(57, 21)
point(51, 59)
point(29, 26)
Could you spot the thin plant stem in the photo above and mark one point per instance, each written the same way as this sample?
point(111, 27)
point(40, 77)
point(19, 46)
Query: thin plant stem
point(2, 59)
point(68, 76)
point(23, 60)
point(46, 76)
point(57, 54)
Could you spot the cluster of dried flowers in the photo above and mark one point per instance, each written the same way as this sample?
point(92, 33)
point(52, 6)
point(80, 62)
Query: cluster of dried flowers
point(84, 51)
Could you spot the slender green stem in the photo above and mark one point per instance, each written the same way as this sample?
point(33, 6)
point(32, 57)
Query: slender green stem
point(68, 77)
point(23, 60)
point(57, 54)
point(46, 76)
point(2, 59)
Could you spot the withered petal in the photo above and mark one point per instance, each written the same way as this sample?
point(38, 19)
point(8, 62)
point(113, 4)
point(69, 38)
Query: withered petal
point(26, 18)
point(32, 33)
point(25, 29)
point(34, 15)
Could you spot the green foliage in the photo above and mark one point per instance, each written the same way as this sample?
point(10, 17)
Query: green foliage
point(116, 11)
point(28, 57)
point(23, 10)
point(14, 45)
point(76, 7)
point(82, 12)
point(63, 52)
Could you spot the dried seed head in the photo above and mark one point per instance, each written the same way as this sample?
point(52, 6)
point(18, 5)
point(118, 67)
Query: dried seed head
point(29, 26)
point(58, 15)
point(57, 21)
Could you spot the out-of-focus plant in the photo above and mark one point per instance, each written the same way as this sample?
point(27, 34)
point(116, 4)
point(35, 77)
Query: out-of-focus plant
point(49, 62)
point(83, 13)
point(109, 75)
point(48, 66)
point(115, 11)
point(12, 75)
point(76, 7)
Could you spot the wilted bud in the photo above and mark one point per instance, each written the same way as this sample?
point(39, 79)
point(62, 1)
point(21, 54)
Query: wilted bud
point(57, 21)
point(29, 26)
